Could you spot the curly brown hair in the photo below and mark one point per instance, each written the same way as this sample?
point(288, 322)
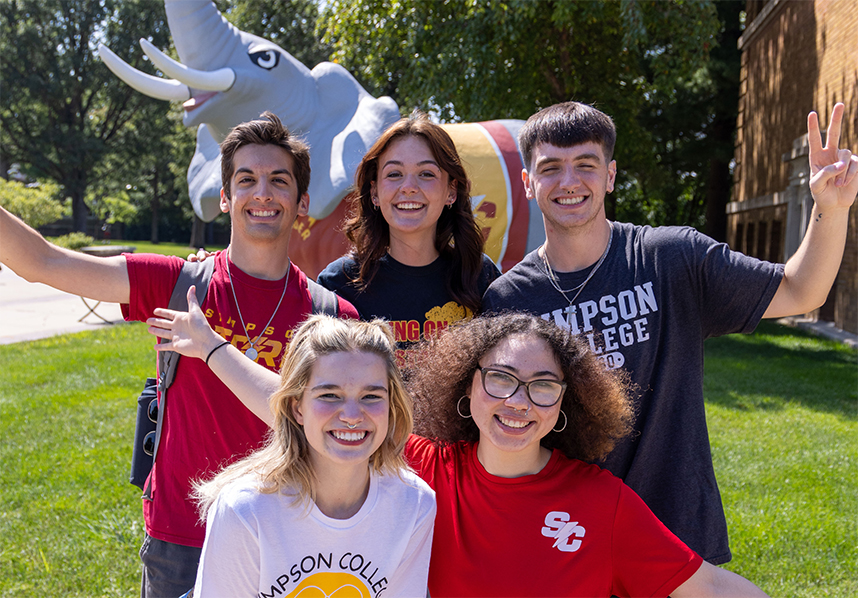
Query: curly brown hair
point(597, 401)
point(457, 234)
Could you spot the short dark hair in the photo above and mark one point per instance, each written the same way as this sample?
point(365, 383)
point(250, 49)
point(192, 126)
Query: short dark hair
point(565, 125)
point(266, 130)
point(597, 402)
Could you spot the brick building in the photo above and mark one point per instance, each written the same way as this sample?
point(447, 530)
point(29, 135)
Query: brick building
point(797, 56)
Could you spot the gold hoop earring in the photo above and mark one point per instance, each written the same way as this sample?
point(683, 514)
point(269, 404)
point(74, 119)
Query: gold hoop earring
point(459, 408)
point(565, 422)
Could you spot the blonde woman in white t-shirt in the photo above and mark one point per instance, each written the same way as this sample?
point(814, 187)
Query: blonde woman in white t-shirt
point(328, 502)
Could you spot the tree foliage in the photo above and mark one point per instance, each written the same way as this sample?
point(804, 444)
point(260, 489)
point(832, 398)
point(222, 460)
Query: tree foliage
point(639, 61)
point(147, 166)
point(692, 127)
point(35, 204)
point(62, 110)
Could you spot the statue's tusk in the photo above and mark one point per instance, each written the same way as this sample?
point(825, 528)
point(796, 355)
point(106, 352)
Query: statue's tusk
point(219, 80)
point(154, 87)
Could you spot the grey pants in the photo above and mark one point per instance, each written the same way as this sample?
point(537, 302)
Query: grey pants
point(169, 570)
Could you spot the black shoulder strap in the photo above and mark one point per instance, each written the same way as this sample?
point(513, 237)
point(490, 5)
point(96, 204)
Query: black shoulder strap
point(324, 300)
point(198, 274)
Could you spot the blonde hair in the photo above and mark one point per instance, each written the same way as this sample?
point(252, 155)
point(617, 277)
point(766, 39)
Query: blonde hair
point(282, 464)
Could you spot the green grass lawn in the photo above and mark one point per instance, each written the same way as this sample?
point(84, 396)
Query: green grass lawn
point(70, 524)
point(782, 421)
point(782, 409)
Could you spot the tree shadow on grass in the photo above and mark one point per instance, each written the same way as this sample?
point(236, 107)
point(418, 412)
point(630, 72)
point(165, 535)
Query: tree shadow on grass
point(778, 365)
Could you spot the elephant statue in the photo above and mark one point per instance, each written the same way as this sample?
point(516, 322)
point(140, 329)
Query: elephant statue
point(226, 76)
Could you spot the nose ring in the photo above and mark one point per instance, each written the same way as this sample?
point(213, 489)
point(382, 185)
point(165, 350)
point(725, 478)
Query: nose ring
point(351, 426)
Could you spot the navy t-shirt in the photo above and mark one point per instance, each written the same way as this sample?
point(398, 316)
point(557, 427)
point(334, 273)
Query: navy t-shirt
point(414, 299)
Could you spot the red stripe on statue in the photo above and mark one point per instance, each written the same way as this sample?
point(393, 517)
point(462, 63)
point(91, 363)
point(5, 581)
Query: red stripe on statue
point(516, 244)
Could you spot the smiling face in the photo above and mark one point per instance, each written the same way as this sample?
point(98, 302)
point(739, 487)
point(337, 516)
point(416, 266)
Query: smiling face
point(411, 190)
point(264, 199)
point(509, 431)
point(569, 184)
point(345, 408)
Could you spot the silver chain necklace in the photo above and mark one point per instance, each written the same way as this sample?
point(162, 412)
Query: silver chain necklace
point(555, 281)
point(251, 352)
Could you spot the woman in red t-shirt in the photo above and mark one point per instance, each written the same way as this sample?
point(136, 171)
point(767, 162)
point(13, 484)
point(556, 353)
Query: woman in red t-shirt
point(517, 407)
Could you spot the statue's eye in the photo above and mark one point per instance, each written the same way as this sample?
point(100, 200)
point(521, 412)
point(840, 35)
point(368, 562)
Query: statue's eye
point(267, 59)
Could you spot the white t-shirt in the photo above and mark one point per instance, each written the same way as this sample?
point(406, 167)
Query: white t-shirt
point(266, 545)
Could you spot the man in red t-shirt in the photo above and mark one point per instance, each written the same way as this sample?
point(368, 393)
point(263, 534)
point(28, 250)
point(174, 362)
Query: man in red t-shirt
point(255, 298)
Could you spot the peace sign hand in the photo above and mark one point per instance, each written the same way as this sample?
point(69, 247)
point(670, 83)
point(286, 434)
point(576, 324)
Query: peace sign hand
point(833, 170)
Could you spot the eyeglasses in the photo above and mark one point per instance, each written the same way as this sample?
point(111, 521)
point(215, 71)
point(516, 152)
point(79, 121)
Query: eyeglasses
point(502, 385)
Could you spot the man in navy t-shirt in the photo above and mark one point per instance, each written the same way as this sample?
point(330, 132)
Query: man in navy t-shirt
point(646, 299)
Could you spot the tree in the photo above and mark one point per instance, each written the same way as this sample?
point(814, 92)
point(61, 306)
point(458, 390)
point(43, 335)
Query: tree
point(725, 69)
point(148, 164)
point(35, 204)
point(693, 129)
point(62, 111)
point(464, 60)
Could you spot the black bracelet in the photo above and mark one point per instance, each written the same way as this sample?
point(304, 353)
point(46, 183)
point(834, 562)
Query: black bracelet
point(215, 349)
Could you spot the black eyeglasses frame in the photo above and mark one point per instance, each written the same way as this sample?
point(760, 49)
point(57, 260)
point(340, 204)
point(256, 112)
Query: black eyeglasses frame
point(521, 383)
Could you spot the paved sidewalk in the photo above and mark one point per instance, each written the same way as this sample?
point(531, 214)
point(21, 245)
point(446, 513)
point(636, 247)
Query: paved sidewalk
point(30, 311)
point(824, 329)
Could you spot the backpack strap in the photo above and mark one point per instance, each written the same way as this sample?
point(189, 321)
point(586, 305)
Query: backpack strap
point(198, 274)
point(324, 300)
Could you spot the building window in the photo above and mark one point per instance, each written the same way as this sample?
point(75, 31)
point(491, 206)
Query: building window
point(762, 240)
point(776, 241)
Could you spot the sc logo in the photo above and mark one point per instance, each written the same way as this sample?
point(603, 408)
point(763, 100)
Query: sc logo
point(565, 532)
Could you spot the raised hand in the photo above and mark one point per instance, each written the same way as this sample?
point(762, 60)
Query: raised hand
point(810, 272)
point(188, 333)
point(833, 170)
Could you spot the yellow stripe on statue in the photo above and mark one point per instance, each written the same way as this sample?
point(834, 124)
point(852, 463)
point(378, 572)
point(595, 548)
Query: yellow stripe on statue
point(490, 197)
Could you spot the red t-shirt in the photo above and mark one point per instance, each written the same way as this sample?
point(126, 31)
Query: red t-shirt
point(573, 529)
point(205, 426)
